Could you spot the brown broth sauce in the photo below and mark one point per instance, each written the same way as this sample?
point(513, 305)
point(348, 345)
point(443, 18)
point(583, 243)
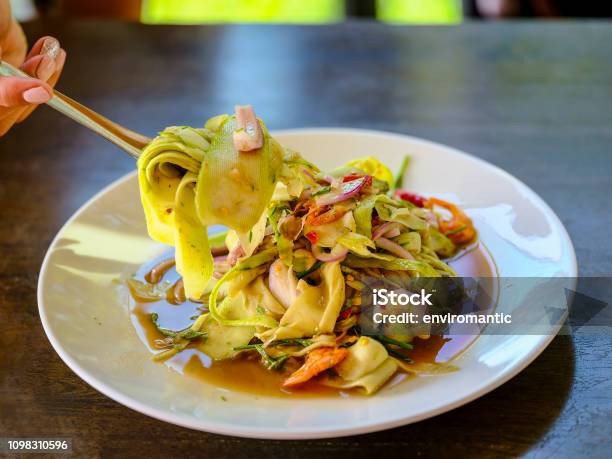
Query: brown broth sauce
point(245, 374)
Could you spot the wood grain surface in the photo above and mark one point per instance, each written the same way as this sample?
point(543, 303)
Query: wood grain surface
point(532, 98)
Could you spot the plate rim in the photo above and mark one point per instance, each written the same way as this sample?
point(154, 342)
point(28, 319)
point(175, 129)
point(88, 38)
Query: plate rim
point(301, 433)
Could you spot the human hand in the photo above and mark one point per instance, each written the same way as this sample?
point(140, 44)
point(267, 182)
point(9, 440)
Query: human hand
point(20, 96)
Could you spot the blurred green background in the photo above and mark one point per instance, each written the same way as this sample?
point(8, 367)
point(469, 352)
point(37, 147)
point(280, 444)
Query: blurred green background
point(309, 11)
point(296, 11)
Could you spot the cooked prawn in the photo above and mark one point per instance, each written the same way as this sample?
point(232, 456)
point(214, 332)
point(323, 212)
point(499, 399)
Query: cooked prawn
point(317, 361)
point(459, 228)
point(321, 216)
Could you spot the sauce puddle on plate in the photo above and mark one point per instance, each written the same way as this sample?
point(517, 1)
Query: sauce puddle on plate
point(245, 373)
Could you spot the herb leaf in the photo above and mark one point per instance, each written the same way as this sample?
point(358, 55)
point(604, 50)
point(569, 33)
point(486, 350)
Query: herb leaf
point(270, 363)
point(399, 178)
point(399, 355)
point(162, 330)
point(386, 340)
point(190, 334)
point(292, 342)
point(310, 270)
point(186, 333)
point(323, 190)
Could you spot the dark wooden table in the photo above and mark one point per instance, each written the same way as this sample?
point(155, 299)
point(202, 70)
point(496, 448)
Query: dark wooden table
point(533, 98)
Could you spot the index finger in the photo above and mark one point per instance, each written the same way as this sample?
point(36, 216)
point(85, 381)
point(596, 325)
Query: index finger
point(13, 88)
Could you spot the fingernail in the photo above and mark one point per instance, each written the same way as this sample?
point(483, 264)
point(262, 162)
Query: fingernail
point(60, 60)
point(36, 95)
point(45, 68)
point(50, 47)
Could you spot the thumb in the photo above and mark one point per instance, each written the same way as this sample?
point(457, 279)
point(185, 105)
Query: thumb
point(16, 91)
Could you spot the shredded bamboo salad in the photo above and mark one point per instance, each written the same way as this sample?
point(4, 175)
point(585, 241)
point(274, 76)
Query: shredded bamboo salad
point(284, 283)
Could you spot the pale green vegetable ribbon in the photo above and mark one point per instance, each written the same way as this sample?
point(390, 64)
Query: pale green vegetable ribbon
point(192, 178)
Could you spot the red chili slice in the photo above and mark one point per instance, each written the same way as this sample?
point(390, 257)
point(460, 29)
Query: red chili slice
point(313, 237)
point(351, 177)
point(415, 199)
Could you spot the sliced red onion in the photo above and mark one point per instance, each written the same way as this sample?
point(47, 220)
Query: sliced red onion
point(234, 254)
point(337, 253)
point(393, 232)
point(220, 264)
point(347, 190)
point(283, 283)
point(432, 219)
point(384, 229)
point(393, 248)
point(380, 230)
point(248, 135)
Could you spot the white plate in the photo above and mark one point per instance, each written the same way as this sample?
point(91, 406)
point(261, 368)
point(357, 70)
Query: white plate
point(84, 310)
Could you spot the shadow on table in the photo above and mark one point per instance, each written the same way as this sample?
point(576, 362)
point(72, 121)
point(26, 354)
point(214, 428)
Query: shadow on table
point(508, 421)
